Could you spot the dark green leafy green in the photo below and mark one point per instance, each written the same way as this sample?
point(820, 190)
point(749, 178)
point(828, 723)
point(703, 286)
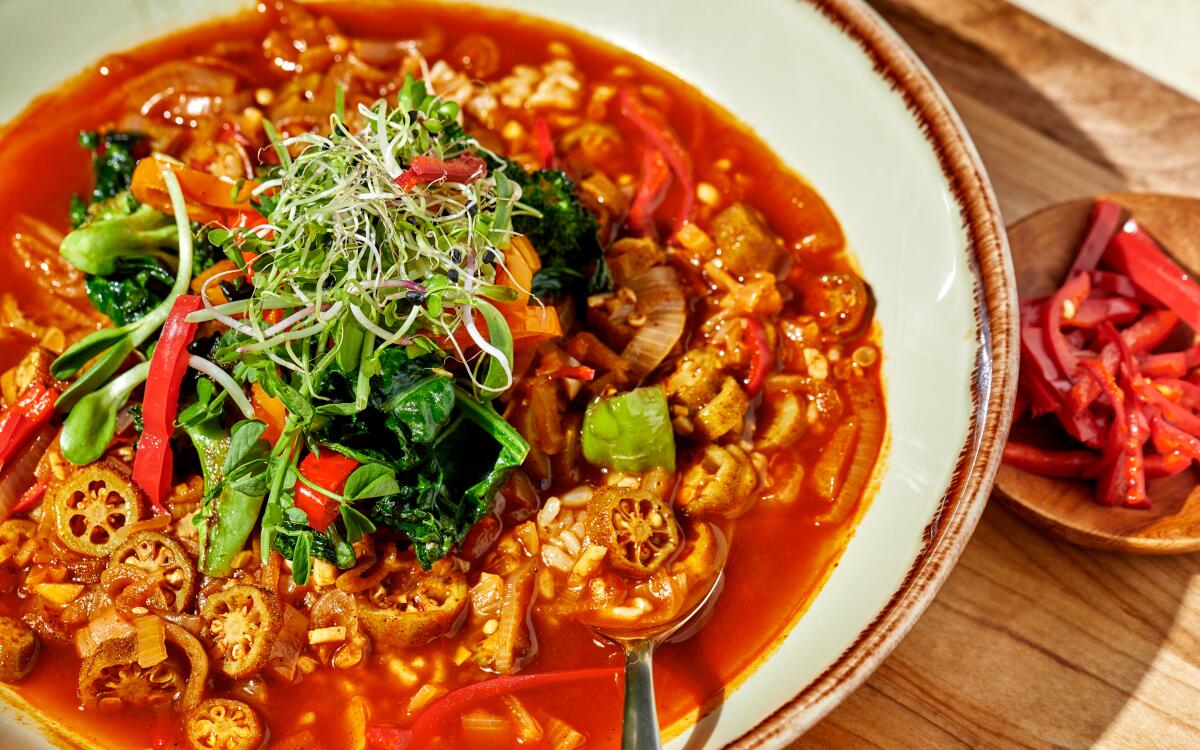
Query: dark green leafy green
point(135, 287)
point(416, 397)
point(454, 486)
point(114, 156)
point(370, 481)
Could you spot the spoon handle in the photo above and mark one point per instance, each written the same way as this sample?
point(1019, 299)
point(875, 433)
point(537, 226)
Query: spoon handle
point(640, 728)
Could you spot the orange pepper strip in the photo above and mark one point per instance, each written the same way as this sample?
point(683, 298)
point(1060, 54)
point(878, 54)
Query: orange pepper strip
point(532, 325)
point(210, 199)
point(270, 410)
point(214, 293)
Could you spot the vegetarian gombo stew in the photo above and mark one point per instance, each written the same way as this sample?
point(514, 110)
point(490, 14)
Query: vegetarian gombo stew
point(357, 363)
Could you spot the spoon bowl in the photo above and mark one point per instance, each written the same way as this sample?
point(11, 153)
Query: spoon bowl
point(1043, 246)
point(639, 729)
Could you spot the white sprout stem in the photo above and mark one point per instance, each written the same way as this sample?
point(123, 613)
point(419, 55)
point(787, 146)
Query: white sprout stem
point(283, 338)
point(236, 325)
point(224, 380)
point(184, 225)
point(366, 323)
point(290, 320)
point(487, 348)
point(403, 329)
point(233, 308)
point(183, 275)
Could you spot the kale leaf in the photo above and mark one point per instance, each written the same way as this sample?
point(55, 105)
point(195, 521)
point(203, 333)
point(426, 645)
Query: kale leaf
point(137, 286)
point(441, 500)
point(450, 452)
point(114, 156)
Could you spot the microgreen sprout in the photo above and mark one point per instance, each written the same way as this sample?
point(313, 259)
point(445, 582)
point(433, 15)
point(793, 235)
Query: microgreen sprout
point(349, 246)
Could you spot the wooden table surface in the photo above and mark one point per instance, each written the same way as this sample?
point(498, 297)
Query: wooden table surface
point(1033, 642)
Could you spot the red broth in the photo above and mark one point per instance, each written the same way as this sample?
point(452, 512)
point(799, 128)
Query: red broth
point(779, 555)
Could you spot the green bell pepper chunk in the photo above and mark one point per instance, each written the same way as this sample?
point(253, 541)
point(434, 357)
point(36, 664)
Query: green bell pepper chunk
point(630, 432)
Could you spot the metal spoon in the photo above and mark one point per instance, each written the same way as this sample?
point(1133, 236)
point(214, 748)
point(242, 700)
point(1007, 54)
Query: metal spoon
point(639, 730)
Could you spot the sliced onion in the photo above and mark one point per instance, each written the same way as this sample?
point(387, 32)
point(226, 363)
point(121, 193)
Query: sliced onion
point(151, 640)
point(107, 625)
point(865, 405)
point(660, 299)
point(289, 644)
point(147, 92)
point(19, 475)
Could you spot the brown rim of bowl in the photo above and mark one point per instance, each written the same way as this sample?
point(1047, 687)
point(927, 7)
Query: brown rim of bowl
point(992, 390)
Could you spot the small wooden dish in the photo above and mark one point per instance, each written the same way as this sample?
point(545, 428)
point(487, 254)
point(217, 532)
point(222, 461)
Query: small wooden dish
point(1043, 246)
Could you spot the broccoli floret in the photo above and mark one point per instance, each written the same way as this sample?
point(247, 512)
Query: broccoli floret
point(565, 234)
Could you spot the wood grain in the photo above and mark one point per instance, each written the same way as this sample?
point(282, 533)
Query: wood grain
point(1034, 642)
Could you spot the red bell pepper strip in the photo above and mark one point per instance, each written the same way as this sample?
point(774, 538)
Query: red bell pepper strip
point(660, 136)
point(1170, 439)
point(578, 372)
point(1106, 217)
point(328, 471)
point(1159, 466)
point(1068, 299)
point(1136, 254)
point(385, 737)
point(1151, 331)
point(545, 143)
point(463, 169)
point(1033, 377)
point(762, 359)
point(1116, 284)
point(1093, 312)
point(32, 409)
point(1048, 389)
point(656, 178)
point(154, 461)
point(1052, 463)
point(1146, 334)
point(1123, 477)
point(1185, 392)
point(1171, 411)
point(30, 499)
point(1166, 365)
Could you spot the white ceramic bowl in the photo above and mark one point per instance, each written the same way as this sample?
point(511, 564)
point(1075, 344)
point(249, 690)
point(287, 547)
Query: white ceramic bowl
point(846, 104)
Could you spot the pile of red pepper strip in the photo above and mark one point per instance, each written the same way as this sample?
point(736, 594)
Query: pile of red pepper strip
point(385, 737)
point(1136, 410)
point(423, 170)
point(32, 410)
point(328, 471)
point(153, 463)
